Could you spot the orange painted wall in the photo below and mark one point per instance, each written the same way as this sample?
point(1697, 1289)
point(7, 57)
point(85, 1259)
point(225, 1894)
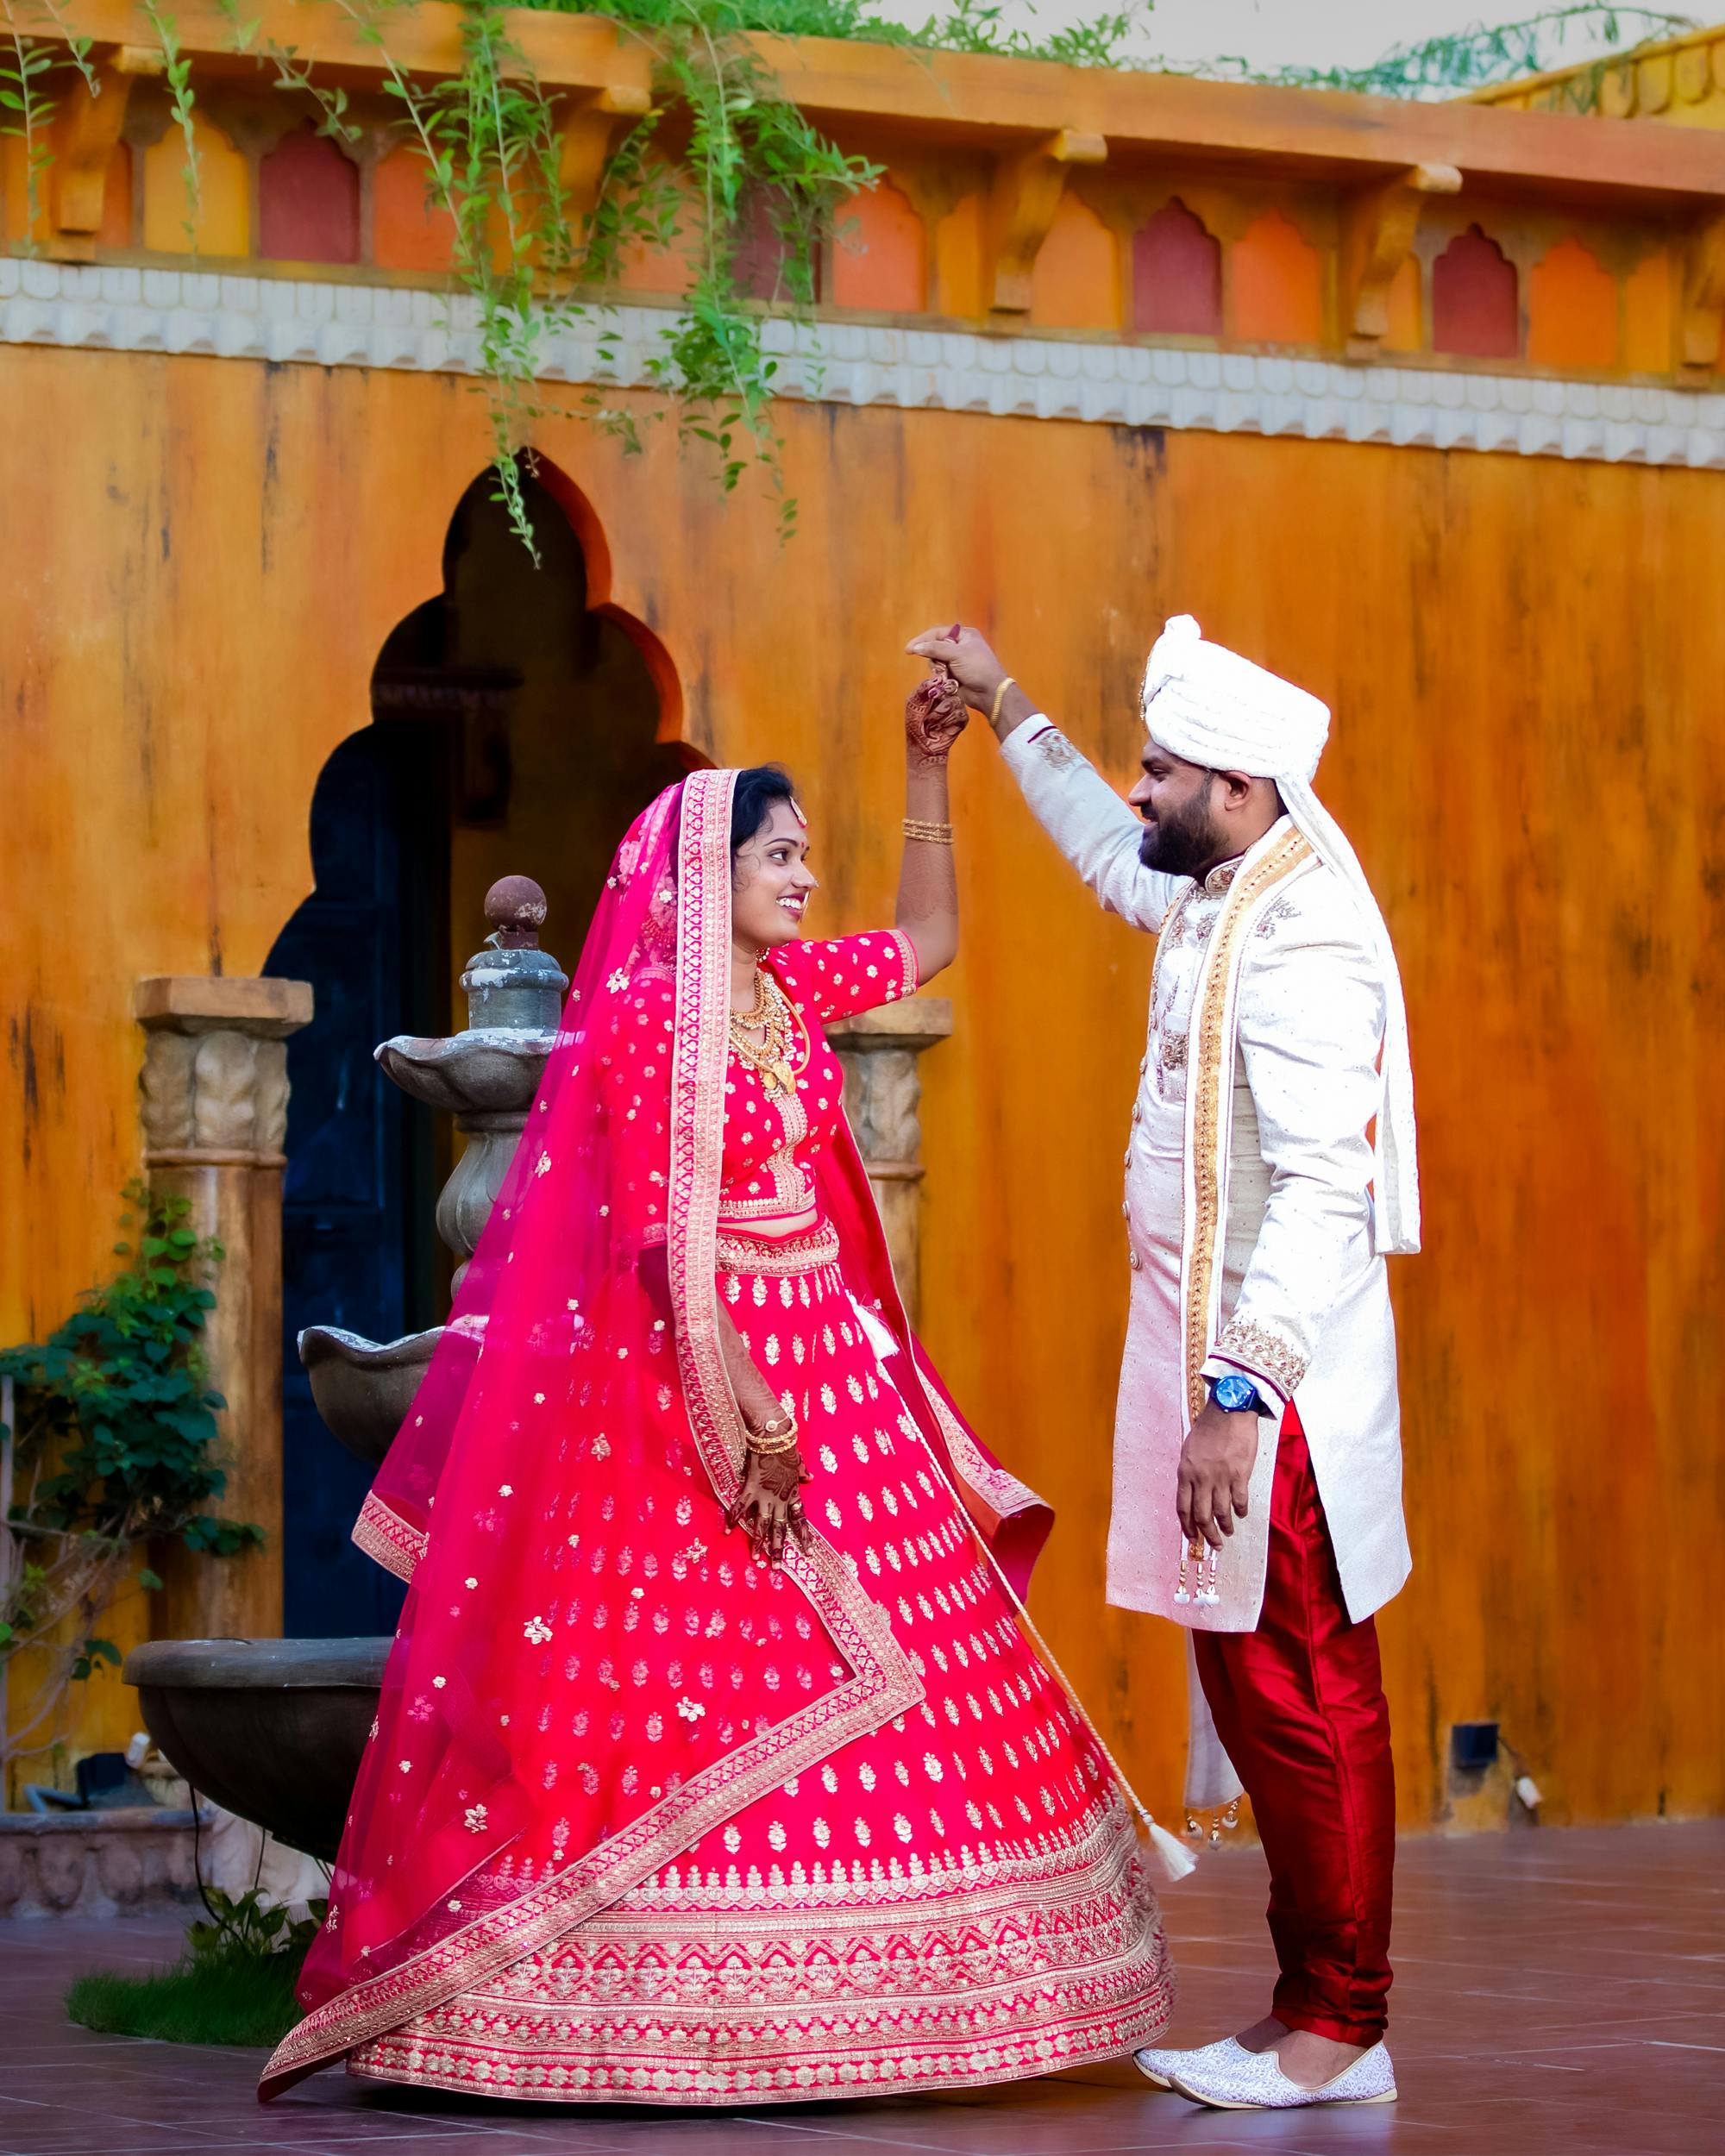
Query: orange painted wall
point(1571, 311)
point(1076, 282)
point(1276, 285)
point(1523, 657)
point(879, 256)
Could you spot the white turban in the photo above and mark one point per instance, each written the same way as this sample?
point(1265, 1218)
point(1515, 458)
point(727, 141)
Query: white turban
point(1207, 706)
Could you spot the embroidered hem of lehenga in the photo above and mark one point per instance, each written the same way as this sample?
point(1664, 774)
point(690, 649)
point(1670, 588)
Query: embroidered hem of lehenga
point(1064, 1967)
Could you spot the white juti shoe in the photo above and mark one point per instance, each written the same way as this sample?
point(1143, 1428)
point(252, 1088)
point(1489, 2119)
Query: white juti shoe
point(1159, 2067)
point(1254, 2081)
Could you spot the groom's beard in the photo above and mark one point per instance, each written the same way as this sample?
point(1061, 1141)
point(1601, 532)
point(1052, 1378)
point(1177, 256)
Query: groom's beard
point(1184, 844)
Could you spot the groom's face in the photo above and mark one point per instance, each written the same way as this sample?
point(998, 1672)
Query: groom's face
point(1173, 797)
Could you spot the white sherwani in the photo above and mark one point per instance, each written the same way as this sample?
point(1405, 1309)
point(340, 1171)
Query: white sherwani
point(1248, 1191)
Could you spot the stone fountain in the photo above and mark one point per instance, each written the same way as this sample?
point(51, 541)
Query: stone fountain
point(274, 1729)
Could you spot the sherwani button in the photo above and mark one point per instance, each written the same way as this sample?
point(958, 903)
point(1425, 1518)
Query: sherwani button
point(1134, 1261)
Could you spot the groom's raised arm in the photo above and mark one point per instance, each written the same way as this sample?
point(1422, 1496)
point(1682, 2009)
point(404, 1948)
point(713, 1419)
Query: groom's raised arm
point(1087, 820)
point(1075, 806)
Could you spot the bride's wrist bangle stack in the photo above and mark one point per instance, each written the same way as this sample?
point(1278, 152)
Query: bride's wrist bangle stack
point(778, 1436)
point(932, 834)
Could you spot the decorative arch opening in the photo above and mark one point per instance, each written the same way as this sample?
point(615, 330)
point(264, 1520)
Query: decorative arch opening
point(520, 720)
point(1176, 275)
point(1476, 301)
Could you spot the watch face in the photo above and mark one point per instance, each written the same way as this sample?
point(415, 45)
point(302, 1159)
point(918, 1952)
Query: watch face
point(1233, 1394)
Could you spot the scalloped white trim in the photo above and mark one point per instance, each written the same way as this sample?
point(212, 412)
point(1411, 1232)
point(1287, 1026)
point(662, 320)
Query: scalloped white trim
point(1109, 384)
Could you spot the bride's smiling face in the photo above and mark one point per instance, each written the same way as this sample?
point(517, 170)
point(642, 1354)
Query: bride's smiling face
point(770, 882)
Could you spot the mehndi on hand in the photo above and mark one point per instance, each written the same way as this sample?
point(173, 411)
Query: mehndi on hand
point(935, 715)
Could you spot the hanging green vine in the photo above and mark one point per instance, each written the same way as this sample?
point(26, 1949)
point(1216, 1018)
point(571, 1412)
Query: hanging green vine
point(491, 141)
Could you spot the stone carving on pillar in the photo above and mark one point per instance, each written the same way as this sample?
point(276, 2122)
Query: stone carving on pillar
point(213, 1099)
point(882, 1094)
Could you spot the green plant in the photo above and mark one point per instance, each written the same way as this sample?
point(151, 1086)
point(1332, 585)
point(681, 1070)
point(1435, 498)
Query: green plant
point(528, 264)
point(234, 1985)
point(112, 1446)
point(1484, 54)
point(245, 1927)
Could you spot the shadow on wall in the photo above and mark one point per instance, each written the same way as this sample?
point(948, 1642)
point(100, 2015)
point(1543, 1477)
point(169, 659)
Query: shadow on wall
point(515, 730)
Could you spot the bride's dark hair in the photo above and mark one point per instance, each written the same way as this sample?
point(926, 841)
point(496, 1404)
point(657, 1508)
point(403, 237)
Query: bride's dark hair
point(757, 788)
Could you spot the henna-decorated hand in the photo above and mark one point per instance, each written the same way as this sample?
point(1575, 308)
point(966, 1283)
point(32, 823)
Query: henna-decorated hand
point(935, 715)
point(768, 1506)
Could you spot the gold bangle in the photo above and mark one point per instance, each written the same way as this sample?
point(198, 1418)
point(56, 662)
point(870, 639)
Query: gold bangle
point(769, 1448)
point(929, 834)
point(995, 715)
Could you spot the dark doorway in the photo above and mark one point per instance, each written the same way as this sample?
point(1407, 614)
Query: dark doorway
point(360, 1157)
point(514, 731)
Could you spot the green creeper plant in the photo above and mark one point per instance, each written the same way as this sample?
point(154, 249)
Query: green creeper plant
point(490, 140)
point(112, 1447)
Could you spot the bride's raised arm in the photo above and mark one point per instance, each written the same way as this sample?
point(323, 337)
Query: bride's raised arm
point(928, 887)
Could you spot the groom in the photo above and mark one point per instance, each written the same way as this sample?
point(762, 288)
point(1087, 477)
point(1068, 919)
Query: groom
point(1258, 1481)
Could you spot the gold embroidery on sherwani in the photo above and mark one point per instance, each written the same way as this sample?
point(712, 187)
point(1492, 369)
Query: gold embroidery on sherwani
point(1266, 1351)
point(1209, 1081)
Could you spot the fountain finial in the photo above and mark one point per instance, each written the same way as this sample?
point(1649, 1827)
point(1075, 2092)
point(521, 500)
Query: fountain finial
point(515, 911)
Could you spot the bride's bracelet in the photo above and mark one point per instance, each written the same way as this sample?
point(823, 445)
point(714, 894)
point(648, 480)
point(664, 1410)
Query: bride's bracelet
point(932, 834)
point(772, 1437)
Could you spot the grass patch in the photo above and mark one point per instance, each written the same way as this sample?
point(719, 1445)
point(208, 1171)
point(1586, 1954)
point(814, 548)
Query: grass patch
point(243, 2001)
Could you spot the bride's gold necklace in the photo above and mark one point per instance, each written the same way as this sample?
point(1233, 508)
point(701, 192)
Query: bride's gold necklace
point(770, 1014)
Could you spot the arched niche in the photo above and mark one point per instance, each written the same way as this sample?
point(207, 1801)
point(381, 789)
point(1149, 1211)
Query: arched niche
point(1476, 301)
point(521, 719)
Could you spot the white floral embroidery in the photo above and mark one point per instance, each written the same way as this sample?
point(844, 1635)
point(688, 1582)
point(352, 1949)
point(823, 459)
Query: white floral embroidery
point(474, 1819)
point(537, 1630)
point(690, 1709)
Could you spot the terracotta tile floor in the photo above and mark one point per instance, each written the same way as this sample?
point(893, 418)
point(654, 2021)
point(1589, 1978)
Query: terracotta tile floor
point(1557, 1992)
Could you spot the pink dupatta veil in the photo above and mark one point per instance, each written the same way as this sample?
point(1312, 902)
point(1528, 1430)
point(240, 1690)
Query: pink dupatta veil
point(479, 1833)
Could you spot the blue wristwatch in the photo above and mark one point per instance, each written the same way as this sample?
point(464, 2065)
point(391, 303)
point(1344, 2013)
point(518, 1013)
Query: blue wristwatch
point(1234, 1396)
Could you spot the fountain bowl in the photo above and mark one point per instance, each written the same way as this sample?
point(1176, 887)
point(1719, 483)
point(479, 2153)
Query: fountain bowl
point(271, 1729)
point(363, 1389)
point(489, 1070)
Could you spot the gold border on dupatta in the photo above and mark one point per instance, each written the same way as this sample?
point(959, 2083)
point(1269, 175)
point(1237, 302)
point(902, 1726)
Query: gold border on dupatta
point(1209, 1098)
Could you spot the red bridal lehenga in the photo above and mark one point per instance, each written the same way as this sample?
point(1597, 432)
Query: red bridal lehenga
point(641, 1817)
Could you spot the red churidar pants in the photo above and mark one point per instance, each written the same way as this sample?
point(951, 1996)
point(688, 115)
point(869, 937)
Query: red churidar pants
point(1299, 1705)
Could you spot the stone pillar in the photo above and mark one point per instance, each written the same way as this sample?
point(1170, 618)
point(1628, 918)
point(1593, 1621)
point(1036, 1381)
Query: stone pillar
point(214, 1098)
point(882, 1092)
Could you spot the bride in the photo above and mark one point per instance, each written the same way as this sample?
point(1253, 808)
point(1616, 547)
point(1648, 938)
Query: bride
point(716, 1761)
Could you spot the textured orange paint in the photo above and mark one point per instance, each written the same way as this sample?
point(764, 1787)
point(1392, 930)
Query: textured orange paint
point(957, 270)
point(408, 232)
point(1075, 284)
point(1276, 285)
point(1406, 330)
point(116, 200)
point(1571, 311)
point(1648, 315)
point(221, 220)
point(1514, 647)
point(880, 258)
